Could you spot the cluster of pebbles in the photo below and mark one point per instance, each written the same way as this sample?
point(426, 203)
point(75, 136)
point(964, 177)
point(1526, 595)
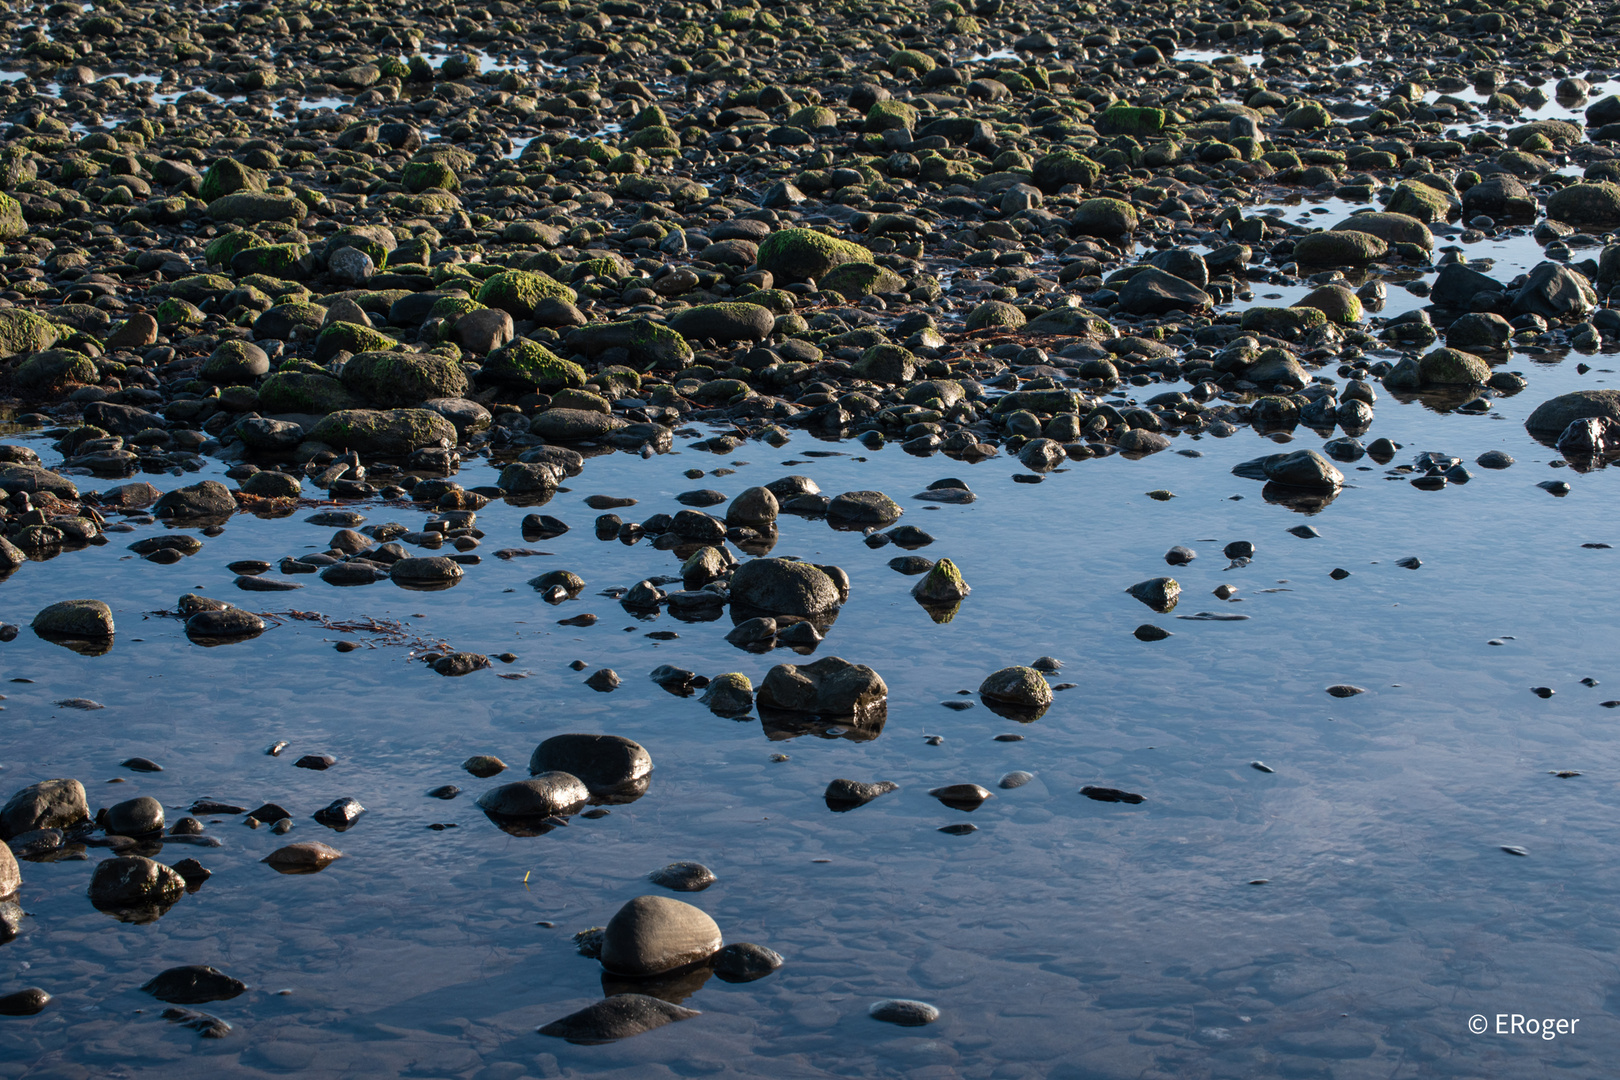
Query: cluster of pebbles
point(345, 248)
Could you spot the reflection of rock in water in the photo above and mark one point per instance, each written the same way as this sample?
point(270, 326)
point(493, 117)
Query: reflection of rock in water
point(674, 987)
point(780, 725)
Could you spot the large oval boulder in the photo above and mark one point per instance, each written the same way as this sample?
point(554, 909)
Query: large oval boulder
point(832, 686)
point(604, 763)
point(783, 587)
point(545, 795)
point(654, 934)
point(49, 804)
point(131, 883)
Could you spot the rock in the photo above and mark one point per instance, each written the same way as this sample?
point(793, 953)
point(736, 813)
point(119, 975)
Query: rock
point(1305, 469)
point(133, 883)
point(135, 817)
point(605, 764)
point(618, 1017)
point(1587, 205)
point(744, 961)
point(730, 694)
point(27, 1002)
point(397, 380)
point(830, 686)
point(1020, 687)
point(1337, 249)
point(845, 795)
point(1552, 417)
point(864, 508)
point(75, 619)
point(194, 984)
point(1152, 291)
point(10, 873)
point(967, 797)
point(1556, 292)
point(724, 322)
point(339, 815)
point(386, 433)
point(208, 500)
point(235, 363)
point(654, 934)
point(783, 587)
point(683, 877)
point(903, 1012)
point(546, 795)
point(425, 572)
point(227, 624)
point(49, 804)
point(1452, 367)
point(308, 857)
point(1160, 593)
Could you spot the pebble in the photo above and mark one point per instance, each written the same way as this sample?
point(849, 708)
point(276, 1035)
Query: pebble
point(904, 1012)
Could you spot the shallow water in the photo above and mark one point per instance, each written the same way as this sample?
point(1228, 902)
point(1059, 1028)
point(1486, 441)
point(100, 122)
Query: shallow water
point(1129, 937)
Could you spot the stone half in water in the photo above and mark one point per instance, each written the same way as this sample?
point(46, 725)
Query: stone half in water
point(651, 935)
point(904, 1012)
point(845, 795)
point(1160, 593)
point(617, 1017)
point(194, 984)
point(941, 590)
point(308, 857)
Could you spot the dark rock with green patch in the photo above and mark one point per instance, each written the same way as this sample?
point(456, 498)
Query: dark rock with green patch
point(254, 207)
point(650, 346)
point(23, 332)
point(389, 433)
point(395, 379)
point(234, 363)
point(530, 365)
point(305, 393)
point(724, 322)
point(804, 254)
point(519, 292)
point(228, 176)
point(54, 369)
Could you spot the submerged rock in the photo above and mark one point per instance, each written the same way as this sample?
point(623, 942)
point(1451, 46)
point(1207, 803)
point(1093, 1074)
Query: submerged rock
point(618, 1017)
point(831, 686)
point(194, 985)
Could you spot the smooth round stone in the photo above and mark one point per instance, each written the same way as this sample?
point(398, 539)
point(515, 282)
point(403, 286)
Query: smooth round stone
point(76, 618)
point(683, 877)
point(29, 1002)
point(134, 817)
point(308, 857)
point(544, 795)
point(654, 934)
point(604, 763)
point(904, 1012)
point(10, 872)
point(1016, 779)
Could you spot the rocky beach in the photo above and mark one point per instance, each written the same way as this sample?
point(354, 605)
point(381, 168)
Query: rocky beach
point(983, 540)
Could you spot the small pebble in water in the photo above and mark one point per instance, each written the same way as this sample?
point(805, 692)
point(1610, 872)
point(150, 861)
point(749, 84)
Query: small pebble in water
point(1514, 849)
point(1260, 766)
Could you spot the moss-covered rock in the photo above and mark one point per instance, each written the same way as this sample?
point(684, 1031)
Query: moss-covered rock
point(228, 176)
point(1453, 367)
point(724, 322)
point(803, 254)
point(657, 137)
point(1334, 250)
point(994, 313)
point(350, 338)
point(275, 260)
point(1285, 322)
point(305, 393)
point(403, 378)
point(1419, 200)
point(234, 363)
point(54, 369)
point(649, 346)
point(253, 207)
point(222, 249)
point(1063, 167)
point(519, 292)
point(390, 432)
point(1129, 120)
point(23, 332)
point(891, 115)
point(12, 224)
point(902, 61)
point(418, 176)
point(1338, 303)
point(1587, 205)
point(1309, 117)
point(532, 366)
point(855, 280)
point(1109, 219)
